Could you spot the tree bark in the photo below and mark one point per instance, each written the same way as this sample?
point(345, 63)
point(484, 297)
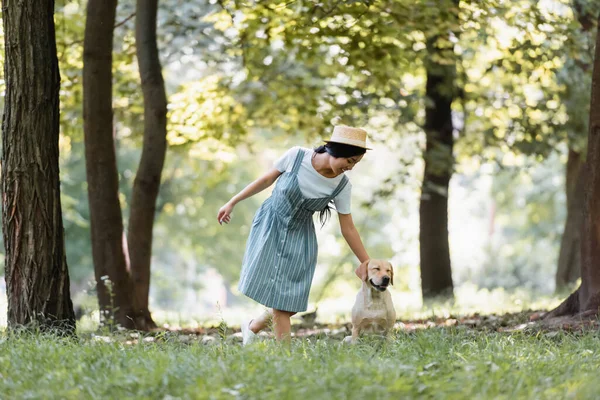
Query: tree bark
point(117, 299)
point(436, 271)
point(586, 299)
point(569, 259)
point(590, 256)
point(148, 177)
point(37, 277)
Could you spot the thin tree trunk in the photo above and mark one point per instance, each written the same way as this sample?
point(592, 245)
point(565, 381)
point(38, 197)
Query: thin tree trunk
point(117, 299)
point(586, 299)
point(147, 180)
point(436, 271)
point(37, 277)
point(569, 259)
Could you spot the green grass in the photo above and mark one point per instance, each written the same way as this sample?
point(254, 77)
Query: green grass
point(453, 363)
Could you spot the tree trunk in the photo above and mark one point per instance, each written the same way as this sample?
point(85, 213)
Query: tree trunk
point(147, 180)
point(37, 278)
point(117, 299)
point(436, 272)
point(590, 256)
point(569, 259)
point(586, 299)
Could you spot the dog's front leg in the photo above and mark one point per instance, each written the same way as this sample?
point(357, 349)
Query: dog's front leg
point(355, 333)
point(354, 337)
point(389, 330)
point(389, 335)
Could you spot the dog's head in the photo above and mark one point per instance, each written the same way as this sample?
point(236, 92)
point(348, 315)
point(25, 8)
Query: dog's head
point(376, 273)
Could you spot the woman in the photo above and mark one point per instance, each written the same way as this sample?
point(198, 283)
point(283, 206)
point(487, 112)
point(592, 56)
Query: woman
point(281, 252)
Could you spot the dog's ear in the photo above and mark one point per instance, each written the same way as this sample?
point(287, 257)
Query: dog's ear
point(391, 273)
point(362, 271)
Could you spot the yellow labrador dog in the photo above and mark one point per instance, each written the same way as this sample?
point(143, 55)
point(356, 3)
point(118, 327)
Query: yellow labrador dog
point(373, 309)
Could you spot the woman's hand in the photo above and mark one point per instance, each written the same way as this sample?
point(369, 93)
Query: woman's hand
point(224, 214)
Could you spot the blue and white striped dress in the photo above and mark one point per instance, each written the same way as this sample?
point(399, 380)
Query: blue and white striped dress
point(281, 252)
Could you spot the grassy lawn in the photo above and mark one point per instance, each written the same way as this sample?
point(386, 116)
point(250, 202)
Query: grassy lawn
point(454, 363)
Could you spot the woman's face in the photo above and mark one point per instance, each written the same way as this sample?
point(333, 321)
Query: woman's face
point(342, 164)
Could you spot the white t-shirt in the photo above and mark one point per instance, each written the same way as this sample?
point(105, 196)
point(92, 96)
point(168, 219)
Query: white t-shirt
point(313, 184)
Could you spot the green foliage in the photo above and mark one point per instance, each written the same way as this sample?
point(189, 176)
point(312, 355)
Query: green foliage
point(69, 26)
point(203, 110)
point(304, 64)
point(436, 363)
point(525, 82)
point(529, 220)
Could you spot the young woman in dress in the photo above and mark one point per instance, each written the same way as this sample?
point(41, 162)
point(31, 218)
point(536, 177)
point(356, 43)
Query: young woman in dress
point(281, 251)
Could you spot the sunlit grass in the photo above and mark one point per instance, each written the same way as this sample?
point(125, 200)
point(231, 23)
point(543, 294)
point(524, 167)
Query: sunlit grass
point(436, 363)
point(440, 362)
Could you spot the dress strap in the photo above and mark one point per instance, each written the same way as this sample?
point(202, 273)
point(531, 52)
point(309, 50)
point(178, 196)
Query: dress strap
point(298, 161)
point(340, 187)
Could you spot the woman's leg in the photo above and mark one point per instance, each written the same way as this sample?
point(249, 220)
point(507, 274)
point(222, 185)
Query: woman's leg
point(260, 323)
point(282, 325)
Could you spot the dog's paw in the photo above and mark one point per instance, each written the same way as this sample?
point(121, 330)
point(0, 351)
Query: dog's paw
point(348, 340)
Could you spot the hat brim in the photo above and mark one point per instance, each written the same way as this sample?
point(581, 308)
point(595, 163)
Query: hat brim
point(346, 143)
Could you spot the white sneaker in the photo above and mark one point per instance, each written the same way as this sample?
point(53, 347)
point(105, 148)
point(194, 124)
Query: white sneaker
point(248, 337)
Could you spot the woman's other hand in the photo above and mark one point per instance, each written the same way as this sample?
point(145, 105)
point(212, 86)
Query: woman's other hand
point(224, 214)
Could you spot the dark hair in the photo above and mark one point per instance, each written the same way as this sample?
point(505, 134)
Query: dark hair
point(337, 150)
point(340, 150)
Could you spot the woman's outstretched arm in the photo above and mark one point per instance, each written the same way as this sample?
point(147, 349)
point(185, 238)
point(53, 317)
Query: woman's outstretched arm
point(352, 237)
point(255, 187)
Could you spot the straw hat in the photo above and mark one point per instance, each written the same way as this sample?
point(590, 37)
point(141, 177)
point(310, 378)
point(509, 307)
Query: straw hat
point(348, 135)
